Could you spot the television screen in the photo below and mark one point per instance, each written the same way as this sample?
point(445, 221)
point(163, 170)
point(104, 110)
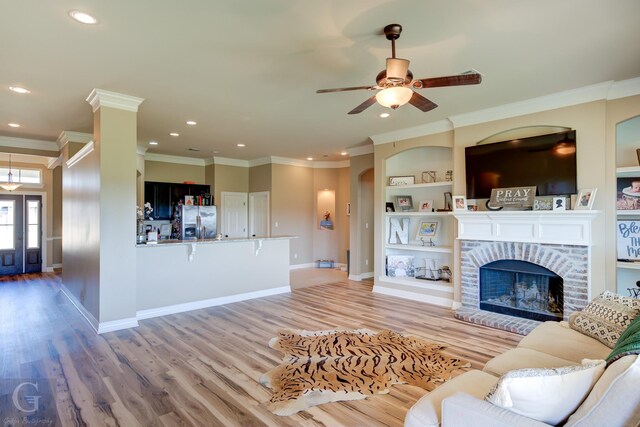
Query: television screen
point(546, 161)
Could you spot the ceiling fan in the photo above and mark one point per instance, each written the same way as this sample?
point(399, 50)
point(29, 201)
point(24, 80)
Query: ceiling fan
point(396, 83)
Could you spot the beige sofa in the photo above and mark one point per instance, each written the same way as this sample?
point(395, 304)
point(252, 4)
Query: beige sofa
point(613, 401)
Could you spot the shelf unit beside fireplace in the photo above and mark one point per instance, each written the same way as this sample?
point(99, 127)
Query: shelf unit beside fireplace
point(628, 272)
point(408, 163)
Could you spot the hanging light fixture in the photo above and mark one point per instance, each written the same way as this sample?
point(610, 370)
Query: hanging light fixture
point(10, 185)
point(394, 97)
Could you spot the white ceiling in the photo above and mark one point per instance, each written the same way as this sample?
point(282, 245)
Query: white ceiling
point(247, 71)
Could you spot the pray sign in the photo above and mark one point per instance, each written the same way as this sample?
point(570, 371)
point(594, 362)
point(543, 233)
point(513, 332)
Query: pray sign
point(513, 198)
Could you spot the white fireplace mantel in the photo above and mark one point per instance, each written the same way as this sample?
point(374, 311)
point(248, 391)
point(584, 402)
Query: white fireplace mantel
point(566, 228)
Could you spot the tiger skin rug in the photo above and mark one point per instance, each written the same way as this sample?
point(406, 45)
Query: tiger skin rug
point(330, 366)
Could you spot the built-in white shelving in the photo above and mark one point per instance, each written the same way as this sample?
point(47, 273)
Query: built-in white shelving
point(629, 265)
point(421, 185)
point(420, 248)
point(435, 285)
point(628, 172)
point(412, 213)
point(628, 213)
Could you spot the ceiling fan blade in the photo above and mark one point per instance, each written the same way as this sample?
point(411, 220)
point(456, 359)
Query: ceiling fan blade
point(421, 102)
point(457, 80)
point(344, 89)
point(366, 104)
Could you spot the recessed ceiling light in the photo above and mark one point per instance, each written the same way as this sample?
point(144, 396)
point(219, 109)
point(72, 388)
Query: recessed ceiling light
point(191, 123)
point(344, 153)
point(384, 115)
point(240, 145)
point(18, 89)
point(174, 134)
point(153, 143)
point(309, 158)
point(83, 17)
point(14, 125)
point(193, 149)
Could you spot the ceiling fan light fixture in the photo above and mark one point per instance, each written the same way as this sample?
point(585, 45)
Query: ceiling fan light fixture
point(394, 97)
point(397, 69)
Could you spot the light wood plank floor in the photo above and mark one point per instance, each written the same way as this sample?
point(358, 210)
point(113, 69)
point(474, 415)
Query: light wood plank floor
point(202, 367)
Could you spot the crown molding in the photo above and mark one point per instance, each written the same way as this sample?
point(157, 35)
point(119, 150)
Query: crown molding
point(81, 154)
point(153, 157)
point(624, 88)
point(360, 151)
point(54, 162)
point(18, 158)
point(231, 162)
point(535, 105)
point(291, 162)
point(331, 165)
point(260, 161)
point(32, 144)
point(141, 150)
point(103, 98)
point(413, 132)
point(67, 136)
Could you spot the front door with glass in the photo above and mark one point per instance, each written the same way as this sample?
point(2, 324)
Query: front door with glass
point(20, 234)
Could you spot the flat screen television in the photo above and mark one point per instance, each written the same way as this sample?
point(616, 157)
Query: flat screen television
point(547, 161)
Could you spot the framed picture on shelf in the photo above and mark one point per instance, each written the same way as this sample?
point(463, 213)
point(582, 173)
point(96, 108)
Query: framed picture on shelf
point(425, 206)
point(559, 204)
point(404, 203)
point(401, 180)
point(586, 198)
point(628, 194)
point(388, 207)
point(428, 177)
point(459, 203)
point(427, 229)
point(543, 203)
point(400, 266)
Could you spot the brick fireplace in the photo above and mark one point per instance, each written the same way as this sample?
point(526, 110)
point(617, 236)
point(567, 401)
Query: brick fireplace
point(531, 252)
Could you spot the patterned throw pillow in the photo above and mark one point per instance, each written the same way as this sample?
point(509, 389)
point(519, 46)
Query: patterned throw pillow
point(606, 317)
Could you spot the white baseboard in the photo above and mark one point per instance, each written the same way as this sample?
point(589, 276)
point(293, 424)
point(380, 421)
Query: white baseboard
point(361, 277)
point(85, 313)
point(57, 265)
point(456, 305)
point(47, 270)
point(116, 325)
point(196, 305)
point(300, 266)
point(443, 302)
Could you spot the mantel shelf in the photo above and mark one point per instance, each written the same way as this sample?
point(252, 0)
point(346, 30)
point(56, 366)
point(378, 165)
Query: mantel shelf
point(420, 248)
point(411, 213)
point(566, 228)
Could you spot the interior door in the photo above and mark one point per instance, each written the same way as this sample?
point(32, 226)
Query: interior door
point(233, 214)
point(33, 234)
point(11, 234)
point(259, 214)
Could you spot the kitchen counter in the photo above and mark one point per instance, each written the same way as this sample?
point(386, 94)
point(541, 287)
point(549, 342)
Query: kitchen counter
point(182, 275)
point(216, 241)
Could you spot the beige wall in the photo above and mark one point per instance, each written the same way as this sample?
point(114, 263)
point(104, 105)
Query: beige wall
point(210, 177)
point(342, 219)
point(173, 172)
point(56, 230)
point(292, 209)
point(140, 177)
point(362, 210)
point(260, 178)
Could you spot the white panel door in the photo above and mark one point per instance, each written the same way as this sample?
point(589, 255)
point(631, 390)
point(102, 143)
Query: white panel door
point(259, 214)
point(234, 214)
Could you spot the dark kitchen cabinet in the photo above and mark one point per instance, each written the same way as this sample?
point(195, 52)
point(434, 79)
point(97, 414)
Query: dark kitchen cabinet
point(163, 196)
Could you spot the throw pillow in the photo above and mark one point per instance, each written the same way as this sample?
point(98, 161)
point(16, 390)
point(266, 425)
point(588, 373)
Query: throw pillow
point(629, 342)
point(606, 317)
point(546, 395)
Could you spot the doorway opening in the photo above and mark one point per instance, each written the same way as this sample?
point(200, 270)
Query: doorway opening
point(20, 234)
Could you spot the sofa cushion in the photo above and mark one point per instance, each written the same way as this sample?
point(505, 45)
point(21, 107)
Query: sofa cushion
point(614, 400)
point(520, 358)
point(547, 395)
point(427, 411)
point(606, 317)
point(557, 339)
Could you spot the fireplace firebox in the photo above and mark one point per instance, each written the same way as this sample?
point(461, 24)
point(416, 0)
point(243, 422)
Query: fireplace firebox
point(522, 289)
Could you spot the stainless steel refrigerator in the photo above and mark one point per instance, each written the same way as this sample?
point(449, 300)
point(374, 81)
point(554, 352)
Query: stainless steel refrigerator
point(197, 222)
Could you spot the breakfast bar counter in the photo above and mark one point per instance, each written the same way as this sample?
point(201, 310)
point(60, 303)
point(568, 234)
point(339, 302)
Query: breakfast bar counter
point(181, 275)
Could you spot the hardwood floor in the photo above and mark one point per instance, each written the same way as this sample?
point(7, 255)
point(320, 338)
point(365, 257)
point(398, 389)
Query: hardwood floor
point(202, 367)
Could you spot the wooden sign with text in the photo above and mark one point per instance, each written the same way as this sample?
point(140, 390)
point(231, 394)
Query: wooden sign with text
point(628, 240)
point(516, 198)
